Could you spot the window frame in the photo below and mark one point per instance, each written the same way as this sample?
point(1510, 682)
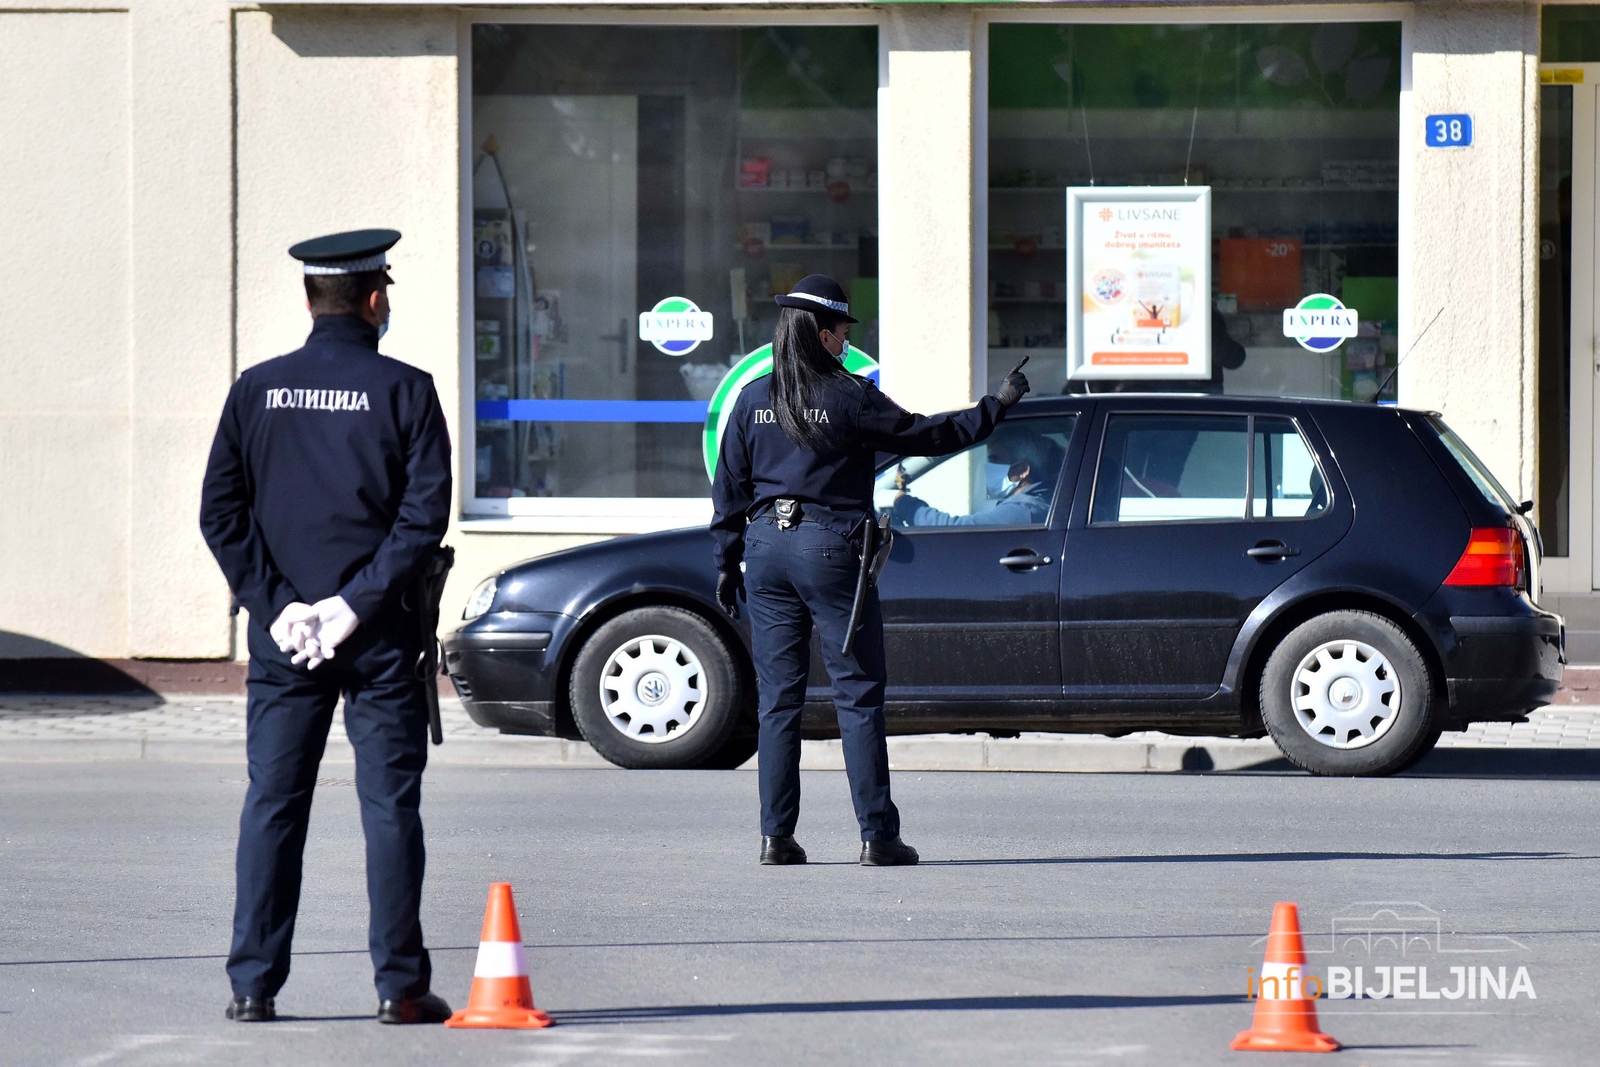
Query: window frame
point(1249, 467)
point(599, 515)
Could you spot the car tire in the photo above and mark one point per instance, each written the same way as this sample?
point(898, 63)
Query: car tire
point(656, 688)
point(1348, 693)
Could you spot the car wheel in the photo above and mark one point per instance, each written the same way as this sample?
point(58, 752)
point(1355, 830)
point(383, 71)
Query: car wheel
point(656, 688)
point(1348, 693)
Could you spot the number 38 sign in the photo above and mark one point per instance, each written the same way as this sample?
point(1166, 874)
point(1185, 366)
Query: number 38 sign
point(1448, 131)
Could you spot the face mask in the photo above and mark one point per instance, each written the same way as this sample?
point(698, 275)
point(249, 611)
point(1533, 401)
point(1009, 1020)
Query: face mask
point(995, 480)
point(383, 327)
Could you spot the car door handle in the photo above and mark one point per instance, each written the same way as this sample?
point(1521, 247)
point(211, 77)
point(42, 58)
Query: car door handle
point(1271, 550)
point(1023, 559)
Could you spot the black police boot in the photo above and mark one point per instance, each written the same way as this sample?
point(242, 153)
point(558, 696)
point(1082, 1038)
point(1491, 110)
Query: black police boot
point(252, 1010)
point(776, 851)
point(891, 853)
point(428, 1008)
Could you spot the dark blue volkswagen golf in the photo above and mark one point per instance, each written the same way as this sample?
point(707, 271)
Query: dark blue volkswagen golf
point(1347, 578)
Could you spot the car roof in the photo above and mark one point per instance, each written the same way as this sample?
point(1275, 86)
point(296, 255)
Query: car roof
point(1192, 401)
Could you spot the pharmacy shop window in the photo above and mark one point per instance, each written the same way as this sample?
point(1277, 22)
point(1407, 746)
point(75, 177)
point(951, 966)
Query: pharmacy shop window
point(638, 196)
point(1294, 128)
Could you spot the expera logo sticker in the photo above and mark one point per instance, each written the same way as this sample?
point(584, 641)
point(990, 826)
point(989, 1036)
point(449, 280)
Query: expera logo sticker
point(1320, 322)
point(675, 326)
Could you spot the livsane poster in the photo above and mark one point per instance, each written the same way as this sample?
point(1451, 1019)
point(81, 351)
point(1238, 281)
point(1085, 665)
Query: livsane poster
point(1139, 282)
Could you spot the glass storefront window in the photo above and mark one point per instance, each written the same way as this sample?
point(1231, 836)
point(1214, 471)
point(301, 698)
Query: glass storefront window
point(1294, 127)
point(680, 174)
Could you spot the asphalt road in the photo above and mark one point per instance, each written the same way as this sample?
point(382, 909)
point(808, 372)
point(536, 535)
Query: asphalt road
point(1061, 919)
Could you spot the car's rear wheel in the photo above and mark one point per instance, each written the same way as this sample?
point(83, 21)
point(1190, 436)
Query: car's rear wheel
point(1348, 693)
point(656, 688)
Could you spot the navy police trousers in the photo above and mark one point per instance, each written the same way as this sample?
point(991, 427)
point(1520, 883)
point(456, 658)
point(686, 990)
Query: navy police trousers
point(795, 579)
point(288, 715)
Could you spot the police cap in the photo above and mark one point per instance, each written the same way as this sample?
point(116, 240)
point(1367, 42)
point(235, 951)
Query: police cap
point(818, 292)
point(354, 252)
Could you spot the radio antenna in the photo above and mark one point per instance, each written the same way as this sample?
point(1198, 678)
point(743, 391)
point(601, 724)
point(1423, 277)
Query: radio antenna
point(1415, 341)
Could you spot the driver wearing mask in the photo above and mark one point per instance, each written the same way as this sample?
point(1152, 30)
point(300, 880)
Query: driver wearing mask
point(1020, 480)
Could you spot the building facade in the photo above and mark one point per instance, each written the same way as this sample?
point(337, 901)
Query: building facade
point(560, 171)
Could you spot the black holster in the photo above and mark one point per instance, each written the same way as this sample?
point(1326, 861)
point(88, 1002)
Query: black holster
point(427, 591)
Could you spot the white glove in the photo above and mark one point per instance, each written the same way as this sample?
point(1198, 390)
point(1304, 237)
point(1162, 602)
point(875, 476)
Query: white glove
point(295, 629)
point(335, 623)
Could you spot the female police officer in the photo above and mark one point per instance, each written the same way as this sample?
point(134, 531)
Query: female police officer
point(793, 493)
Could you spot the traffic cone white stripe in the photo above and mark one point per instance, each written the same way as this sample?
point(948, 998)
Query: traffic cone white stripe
point(1286, 987)
point(500, 959)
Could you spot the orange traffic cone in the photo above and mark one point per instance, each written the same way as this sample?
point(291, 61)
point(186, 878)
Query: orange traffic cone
point(1286, 1020)
point(501, 997)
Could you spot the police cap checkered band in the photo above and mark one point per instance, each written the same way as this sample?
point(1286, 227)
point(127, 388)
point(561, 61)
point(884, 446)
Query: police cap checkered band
point(353, 252)
point(837, 305)
point(349, 266)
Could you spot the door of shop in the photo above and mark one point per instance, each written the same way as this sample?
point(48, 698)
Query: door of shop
point(1569, 334)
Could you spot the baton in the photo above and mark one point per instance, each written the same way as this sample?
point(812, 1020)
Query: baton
point(862, 577)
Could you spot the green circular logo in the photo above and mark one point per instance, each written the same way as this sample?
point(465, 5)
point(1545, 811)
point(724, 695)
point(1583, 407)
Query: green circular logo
point(743, 373)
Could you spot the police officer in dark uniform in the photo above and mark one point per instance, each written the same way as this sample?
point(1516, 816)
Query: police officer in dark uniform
point(327, 491)
point(793, 495)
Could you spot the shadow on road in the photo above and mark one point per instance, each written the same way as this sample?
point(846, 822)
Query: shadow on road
point(1261, 857)
point(819, 1007)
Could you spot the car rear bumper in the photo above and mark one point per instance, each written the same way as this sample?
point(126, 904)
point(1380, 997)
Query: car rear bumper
point(1503, 666)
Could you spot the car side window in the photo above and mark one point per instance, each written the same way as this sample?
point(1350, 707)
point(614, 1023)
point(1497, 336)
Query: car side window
point(1287, 483)
point(1009, 480)
point(1165, 468)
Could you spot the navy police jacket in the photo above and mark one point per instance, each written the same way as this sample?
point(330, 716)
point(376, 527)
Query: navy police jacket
point(329, 475)
point(760, 464)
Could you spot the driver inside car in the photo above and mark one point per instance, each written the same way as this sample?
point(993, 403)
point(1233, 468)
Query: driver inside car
point(1023, 467)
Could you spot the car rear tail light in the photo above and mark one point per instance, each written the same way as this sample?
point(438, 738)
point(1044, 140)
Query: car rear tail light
point(1493, 556)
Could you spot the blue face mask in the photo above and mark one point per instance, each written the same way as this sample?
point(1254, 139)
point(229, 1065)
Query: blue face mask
point(995, 481)
point(383, 327)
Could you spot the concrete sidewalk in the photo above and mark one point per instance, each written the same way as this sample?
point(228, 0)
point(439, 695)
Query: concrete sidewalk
point(211, 730)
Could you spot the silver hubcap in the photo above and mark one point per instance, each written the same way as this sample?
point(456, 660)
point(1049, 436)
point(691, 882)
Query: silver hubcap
point(652, 689)
point(1345, 694)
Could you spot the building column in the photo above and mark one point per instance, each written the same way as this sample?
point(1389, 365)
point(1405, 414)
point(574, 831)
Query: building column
point(182, 319)
point(1470, 241)
point(926, 206)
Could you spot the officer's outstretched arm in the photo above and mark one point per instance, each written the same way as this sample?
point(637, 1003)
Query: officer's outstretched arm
point(887, 427)
point(230, 531)
point(423, 516)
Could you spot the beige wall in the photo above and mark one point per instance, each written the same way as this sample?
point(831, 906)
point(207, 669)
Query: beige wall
point(1471, 231)
point(64, 365)
point(925, 156)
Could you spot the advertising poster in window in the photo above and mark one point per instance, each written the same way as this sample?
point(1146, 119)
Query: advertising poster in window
point(1139, 282)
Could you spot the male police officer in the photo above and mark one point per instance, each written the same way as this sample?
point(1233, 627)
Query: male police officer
point(327, 491)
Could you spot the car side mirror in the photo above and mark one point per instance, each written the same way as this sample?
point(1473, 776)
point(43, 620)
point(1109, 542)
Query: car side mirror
point(1524, 507)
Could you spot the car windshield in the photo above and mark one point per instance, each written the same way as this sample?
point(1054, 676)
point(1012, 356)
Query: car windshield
point(1486, 482)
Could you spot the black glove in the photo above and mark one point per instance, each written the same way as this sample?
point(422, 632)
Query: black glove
point(730, 590)
point(1012, 388)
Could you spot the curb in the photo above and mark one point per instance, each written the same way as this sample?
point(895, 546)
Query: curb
point(1088, 754)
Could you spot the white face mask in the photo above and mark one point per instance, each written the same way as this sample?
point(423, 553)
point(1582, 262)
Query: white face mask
point(383, 327)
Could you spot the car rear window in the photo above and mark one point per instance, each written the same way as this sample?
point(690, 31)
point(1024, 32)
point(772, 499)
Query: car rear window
point(1469, 462)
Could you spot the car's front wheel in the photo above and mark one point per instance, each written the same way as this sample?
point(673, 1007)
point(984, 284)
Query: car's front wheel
point(1348, 693)
point(657, 688)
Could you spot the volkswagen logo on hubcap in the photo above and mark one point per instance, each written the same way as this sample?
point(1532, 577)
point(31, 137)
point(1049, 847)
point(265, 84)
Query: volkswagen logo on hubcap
point(653, 688)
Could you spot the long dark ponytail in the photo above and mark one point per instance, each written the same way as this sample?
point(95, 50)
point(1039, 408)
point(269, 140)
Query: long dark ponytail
point(800, 366)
